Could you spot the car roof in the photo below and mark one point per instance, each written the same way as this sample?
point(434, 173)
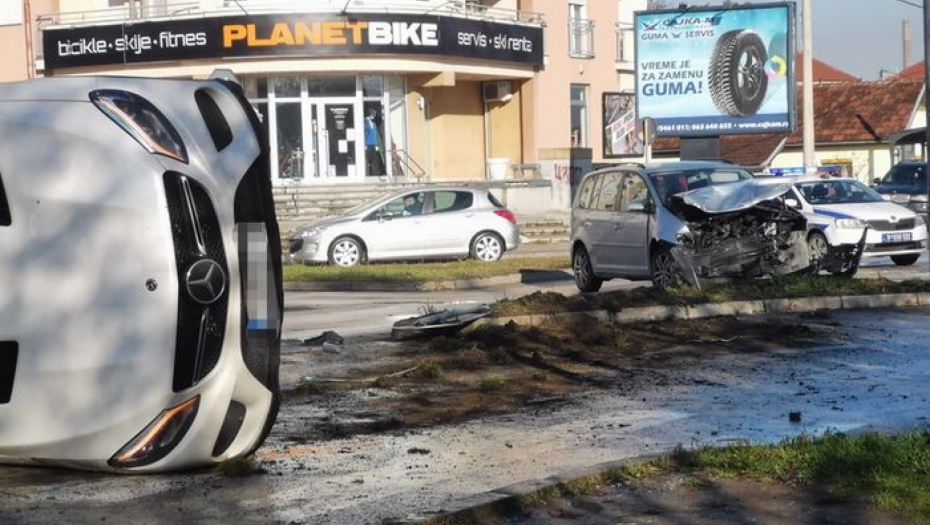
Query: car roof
point(670, 166)
point(813, 178)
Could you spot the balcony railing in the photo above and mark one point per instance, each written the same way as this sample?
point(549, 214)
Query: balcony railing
point(581, 38)
point(625, 46)
point(136, 13)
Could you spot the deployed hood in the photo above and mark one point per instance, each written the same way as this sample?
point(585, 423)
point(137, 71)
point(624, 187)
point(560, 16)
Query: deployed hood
point(727, 198)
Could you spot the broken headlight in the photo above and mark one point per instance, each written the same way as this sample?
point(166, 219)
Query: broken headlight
point(142, 120)
point(850, 223)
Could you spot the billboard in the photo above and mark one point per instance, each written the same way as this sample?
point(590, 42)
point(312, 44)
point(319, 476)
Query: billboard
point(621, 134)
point(134, 42)
point(723, 71)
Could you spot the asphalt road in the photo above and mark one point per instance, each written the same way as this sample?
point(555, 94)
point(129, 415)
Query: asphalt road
point(307, 314)
point(873, 377)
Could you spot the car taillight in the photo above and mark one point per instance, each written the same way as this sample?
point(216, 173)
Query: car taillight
point(507, 214)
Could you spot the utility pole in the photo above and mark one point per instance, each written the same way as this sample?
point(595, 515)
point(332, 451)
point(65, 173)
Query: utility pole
point(810, 161)
point(30, 49)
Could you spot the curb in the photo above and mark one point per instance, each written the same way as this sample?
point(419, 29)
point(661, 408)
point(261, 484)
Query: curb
point(374, 285)
point(731, 308)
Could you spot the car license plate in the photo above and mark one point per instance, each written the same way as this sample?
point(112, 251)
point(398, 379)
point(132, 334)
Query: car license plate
point(896, 237)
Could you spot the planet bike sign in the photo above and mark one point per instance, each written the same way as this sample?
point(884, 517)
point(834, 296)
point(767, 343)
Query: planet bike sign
point(300, 35)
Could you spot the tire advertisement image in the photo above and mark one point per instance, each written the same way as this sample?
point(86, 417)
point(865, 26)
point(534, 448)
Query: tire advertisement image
point(716, 71)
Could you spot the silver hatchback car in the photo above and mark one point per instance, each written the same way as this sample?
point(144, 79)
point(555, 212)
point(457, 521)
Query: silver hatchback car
point(415, 223)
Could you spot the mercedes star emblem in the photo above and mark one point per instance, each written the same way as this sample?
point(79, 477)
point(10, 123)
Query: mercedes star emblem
point(205, 281)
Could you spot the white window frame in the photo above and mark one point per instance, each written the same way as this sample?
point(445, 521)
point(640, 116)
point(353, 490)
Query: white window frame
point(580, 30)
point(581, 141)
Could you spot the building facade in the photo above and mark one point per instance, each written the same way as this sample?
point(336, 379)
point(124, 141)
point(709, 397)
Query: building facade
point(374, 91)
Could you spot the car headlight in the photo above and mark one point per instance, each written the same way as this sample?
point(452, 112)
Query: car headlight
point(142, 120)
point(159, 437)
point(850, 223)
point(316, 231)
point(920, 219)
point(920, 206)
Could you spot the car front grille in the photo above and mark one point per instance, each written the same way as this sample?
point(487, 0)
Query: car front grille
point(888, 226)
point(195, 229)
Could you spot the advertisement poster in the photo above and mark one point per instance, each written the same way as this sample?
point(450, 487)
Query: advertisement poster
point(621, 134)
point(708, 72)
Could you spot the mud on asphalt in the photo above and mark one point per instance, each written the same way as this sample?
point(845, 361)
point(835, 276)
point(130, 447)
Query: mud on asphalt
point(377, 386)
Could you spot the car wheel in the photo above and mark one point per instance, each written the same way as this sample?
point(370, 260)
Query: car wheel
point(665, 272)
point(905, 260)
point(817, 248)
point(487, 247)
point(736, 74)
point(585, 279)
point(346, 252)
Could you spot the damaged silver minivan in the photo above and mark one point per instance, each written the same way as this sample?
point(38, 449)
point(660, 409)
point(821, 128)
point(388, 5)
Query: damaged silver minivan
point(691, 221)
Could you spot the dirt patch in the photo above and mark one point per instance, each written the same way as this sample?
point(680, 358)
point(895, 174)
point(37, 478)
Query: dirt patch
point(673, 498)
point(500, 369)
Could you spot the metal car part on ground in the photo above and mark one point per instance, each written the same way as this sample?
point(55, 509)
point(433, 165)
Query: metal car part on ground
point(433, 323)
point(140, 275)
point(414, 223)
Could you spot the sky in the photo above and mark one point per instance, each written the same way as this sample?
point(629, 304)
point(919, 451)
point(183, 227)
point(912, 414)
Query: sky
point(860, 37)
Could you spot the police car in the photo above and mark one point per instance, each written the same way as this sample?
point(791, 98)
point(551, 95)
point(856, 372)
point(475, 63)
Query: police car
point(843, 212)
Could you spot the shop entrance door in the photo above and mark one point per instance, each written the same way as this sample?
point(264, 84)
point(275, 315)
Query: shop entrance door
point(339, 130)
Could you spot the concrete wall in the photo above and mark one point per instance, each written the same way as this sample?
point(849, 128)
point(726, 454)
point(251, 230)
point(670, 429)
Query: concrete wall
point(456, 128)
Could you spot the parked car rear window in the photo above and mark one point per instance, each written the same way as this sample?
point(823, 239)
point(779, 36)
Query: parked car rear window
point(907, 174)
point(496, 203)
point(670, 183)
point(445, 201)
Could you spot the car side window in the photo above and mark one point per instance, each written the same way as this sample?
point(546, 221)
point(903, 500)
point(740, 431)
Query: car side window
point(448, 201)
point(635, 191)
point(607, 198)
point(587, 192)
point(409, 205)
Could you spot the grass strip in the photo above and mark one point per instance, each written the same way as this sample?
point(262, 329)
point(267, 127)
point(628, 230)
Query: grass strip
point(891, 473)
point(785, 287)
point(424, 272)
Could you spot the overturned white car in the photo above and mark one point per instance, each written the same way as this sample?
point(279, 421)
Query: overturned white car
point(140, 277)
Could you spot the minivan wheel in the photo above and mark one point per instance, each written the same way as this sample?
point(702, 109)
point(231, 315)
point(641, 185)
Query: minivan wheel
point(817, 248)
point(346, 251)
point(585, 279)
point(665, 271)
point(487, 247)
point(905, 260)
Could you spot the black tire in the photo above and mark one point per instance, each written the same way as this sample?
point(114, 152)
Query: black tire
point(346, 252)
point(736, 73)
point(585, 279)
point(817, 247)
point(905, 260)
point(663, 269)
point(487, 247)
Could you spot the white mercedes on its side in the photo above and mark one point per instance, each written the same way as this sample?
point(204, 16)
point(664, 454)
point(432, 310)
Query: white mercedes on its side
point(140, 274)
point(838, 210)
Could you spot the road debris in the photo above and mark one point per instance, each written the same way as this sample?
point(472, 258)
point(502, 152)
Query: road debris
point(794, 417)
point(432, 323)
point(328, 336)
point(332, 348)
